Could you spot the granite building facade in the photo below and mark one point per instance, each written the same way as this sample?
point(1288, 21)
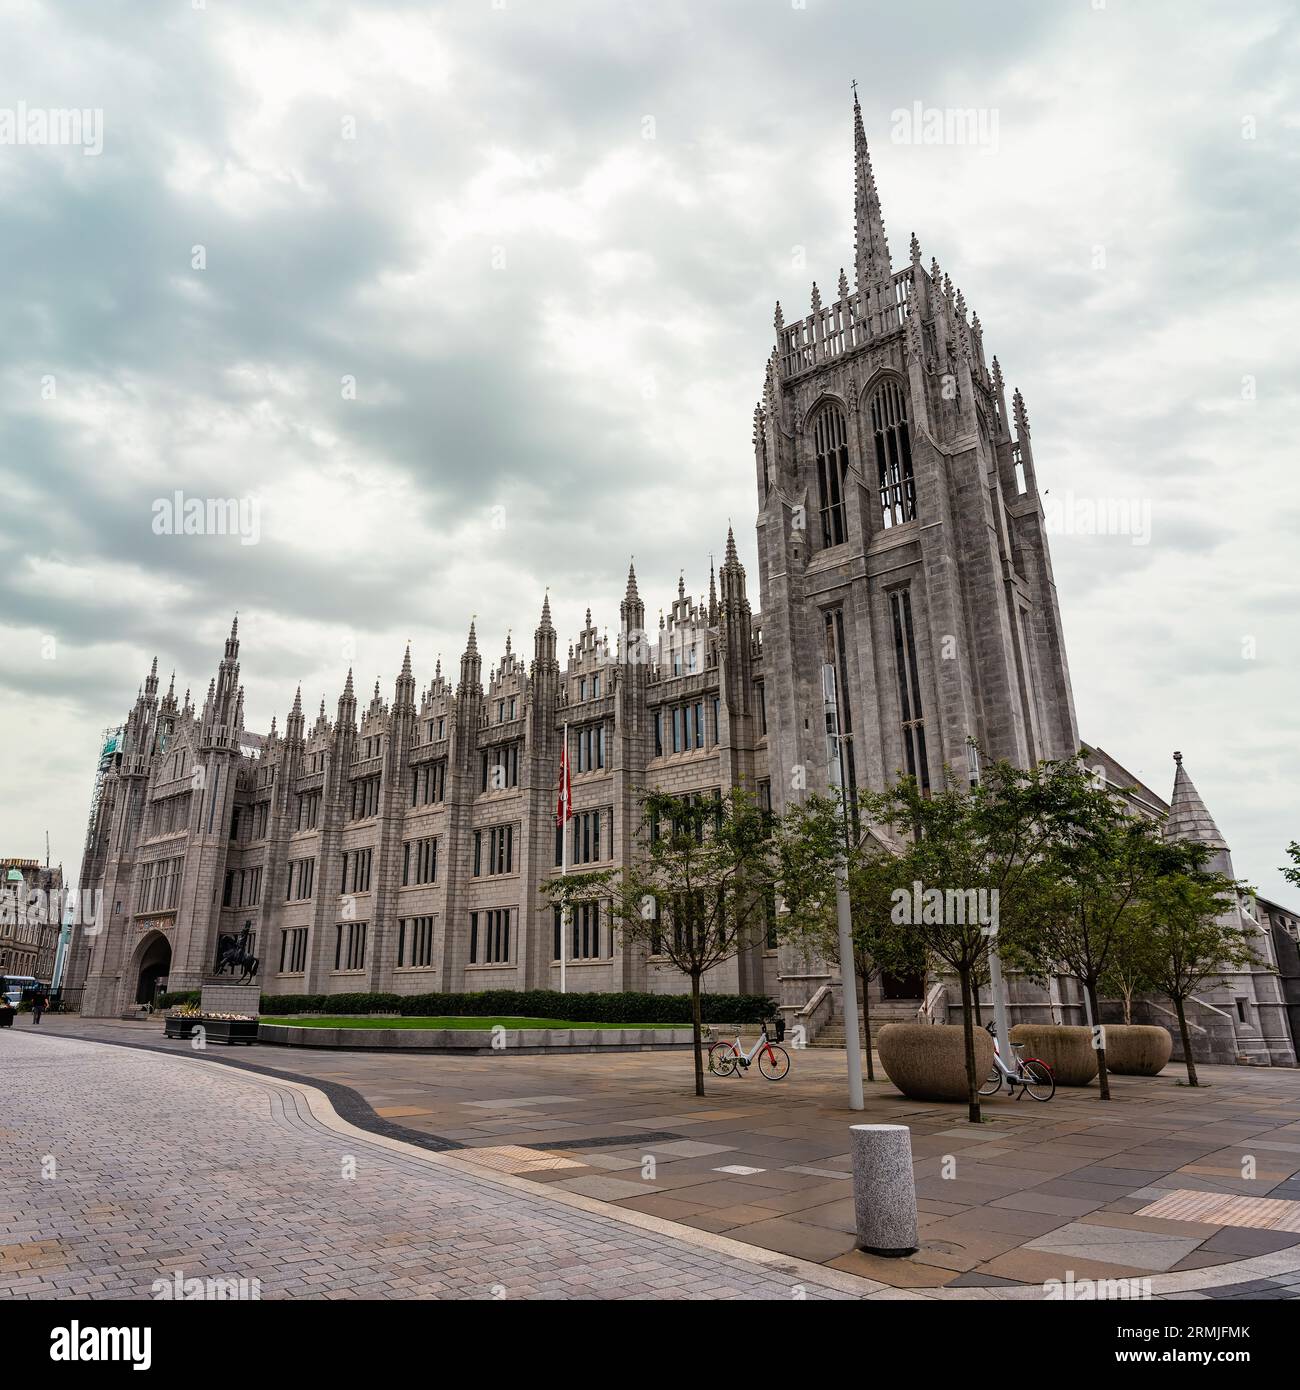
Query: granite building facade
point(904, 566)
point(402, 844)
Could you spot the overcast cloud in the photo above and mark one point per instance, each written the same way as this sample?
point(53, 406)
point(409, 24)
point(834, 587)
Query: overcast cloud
point(557, 328)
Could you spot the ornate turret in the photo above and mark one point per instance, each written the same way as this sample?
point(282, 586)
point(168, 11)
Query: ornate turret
point(632, 611)
point(732, 575)
point(347, 715)
point(293, 725)
point(1189, 819)
point(544, 652)
point(404, 694)
point(222, 712)
point(471, 666)
point(1024, 446)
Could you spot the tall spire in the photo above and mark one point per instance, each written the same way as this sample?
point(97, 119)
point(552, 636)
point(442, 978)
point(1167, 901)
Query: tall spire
point(870, 249)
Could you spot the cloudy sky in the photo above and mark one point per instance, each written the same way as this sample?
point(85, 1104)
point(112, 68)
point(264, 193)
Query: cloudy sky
point(474, 298)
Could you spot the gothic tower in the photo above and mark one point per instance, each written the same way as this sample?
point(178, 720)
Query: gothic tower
point(901, 536)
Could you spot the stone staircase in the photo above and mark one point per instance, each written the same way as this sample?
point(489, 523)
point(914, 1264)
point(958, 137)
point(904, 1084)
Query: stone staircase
point(882, 1012)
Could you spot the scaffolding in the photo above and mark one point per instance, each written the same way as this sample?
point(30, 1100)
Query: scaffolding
point(110, 746)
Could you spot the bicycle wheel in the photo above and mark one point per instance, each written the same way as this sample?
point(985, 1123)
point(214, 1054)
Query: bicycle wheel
point(993, 1085)
point(773, 1062)
point(1039, 1081)
point(722, 1059)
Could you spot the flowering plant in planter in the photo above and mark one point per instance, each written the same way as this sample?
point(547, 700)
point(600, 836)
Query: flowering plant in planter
point(192, 1011)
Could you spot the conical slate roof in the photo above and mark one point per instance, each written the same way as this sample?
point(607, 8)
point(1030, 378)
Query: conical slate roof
point(1188, 817)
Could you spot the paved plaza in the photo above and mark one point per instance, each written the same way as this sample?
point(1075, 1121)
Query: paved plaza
point(578, 1175)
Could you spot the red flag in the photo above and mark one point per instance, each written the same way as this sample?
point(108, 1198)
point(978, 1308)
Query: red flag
point(564, 805)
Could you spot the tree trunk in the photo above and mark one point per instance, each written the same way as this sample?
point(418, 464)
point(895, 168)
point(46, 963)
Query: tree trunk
point(1103, 1077)
point(866, 1023)
point(1187, 1043)
point(1128, 1006)
point(979, 1012)
point(968, 1035)
point(695, 1028)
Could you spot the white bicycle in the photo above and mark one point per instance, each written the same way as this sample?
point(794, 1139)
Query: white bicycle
point(1031, 1074)
point(730, 1059)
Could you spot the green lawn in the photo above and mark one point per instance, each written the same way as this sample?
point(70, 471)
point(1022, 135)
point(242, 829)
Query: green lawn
point(466, 1022)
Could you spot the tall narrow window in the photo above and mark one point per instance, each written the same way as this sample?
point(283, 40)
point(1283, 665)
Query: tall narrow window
point(831, 438)
point(893, 444)
point(909, 690)
point(837, 658)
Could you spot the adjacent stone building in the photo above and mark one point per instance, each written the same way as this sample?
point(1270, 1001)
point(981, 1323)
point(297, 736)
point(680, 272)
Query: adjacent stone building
point(30, 903)
point(905, 575)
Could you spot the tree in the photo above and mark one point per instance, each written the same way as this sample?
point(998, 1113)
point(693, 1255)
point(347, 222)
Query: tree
point(817, 845)
point(698, 890)
point(1192, 941)
point(1291, 872)
point(1128, 971)
point(1100, 865)
point(978, 865)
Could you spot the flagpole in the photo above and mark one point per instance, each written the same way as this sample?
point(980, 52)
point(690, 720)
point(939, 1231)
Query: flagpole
point(565, 796)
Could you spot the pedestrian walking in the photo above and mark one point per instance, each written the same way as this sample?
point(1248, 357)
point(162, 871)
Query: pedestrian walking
point(38, 1006)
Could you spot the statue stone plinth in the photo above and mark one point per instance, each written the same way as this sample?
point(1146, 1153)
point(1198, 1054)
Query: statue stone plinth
point(231, 999)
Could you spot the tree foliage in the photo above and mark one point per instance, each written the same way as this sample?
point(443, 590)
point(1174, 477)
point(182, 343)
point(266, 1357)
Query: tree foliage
point(699, 889)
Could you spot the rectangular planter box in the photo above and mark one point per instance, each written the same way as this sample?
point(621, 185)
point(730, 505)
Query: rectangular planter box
point(226, 1030)
point(518, 1040)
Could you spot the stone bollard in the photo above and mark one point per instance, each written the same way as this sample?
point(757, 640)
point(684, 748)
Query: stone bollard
point(884, 1190)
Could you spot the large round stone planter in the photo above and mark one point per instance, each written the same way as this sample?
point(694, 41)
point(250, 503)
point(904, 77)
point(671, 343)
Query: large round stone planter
point(928, 1061)
point(1136, 1049)
point(1068, 1051)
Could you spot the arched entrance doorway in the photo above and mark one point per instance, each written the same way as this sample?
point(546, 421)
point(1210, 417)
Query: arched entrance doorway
point(155, 959)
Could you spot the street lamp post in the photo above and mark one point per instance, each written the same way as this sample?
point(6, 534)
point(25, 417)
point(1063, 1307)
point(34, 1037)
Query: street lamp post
point(843, 914)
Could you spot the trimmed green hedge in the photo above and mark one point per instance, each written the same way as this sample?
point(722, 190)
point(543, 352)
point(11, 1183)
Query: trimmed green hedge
point(530, 1003)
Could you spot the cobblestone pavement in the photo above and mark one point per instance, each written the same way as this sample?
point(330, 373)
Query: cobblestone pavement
point(1076, 1189)
point(120, 1167)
